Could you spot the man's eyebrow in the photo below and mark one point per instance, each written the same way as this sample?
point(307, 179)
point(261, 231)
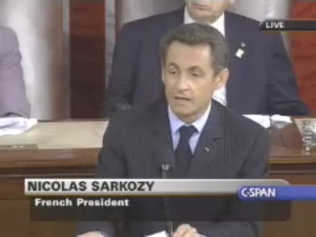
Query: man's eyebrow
point(195, 67)
point(172, 64)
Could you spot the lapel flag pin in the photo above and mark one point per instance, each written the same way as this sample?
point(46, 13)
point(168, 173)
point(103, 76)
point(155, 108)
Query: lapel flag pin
point(240, 53)
point(207, 149)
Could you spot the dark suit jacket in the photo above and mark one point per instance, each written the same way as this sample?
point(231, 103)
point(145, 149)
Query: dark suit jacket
point(261, 82)
point(137, 142)
point(12, 89)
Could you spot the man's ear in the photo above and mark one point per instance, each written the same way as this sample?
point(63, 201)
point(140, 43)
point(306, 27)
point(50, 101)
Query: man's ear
point(221, 78)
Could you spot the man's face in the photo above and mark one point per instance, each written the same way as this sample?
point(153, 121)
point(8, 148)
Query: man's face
point(190, 80)
point(206, 11)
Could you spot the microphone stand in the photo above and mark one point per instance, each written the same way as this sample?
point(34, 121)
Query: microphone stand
point(165, 168)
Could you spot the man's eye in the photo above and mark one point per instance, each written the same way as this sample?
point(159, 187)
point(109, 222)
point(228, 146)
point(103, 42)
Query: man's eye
point(172, 72)
point(196, 74)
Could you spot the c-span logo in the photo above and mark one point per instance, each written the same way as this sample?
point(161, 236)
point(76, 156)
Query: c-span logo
point(252, 193)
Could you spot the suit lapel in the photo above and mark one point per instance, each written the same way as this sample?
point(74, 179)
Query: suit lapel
point(237, 67)
point(178, 17)
point(210, 148)
point(171, 20)
point(162, 149)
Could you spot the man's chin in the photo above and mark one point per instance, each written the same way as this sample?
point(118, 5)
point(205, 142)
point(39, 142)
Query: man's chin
point(202, 15)
point(182, 113)
point(181, 108)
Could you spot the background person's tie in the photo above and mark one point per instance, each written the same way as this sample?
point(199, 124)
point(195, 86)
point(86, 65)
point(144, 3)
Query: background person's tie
point(183, 153)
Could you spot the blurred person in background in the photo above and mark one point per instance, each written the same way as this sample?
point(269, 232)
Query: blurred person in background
point(13, 100)
point(262, 80)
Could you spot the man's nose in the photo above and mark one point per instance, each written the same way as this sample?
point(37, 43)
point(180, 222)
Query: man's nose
point(183, 83)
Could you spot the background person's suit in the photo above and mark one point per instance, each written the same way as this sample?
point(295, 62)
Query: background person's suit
point(12, 89)
point(261, 82)
point(137, 142)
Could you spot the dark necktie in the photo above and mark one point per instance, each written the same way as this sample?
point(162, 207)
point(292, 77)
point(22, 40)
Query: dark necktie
point(183, 152)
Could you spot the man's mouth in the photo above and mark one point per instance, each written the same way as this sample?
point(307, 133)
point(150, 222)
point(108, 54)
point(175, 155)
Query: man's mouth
point(181, 98)
point(199, 6)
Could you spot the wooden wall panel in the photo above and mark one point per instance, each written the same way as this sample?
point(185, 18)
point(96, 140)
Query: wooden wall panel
point(87, 40)
point(304, 53)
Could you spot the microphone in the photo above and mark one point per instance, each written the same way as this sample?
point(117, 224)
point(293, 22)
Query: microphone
point(165, 169)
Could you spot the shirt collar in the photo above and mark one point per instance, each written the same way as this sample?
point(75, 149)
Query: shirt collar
point(176, 122)
point(219, 24)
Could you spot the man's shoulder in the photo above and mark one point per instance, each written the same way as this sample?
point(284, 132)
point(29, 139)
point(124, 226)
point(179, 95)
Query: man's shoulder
point(250, 29)
point(239, 125)
point(6, 30)
point(8, 39)
point(7, 34)
point(138, 115)
point(241, 21)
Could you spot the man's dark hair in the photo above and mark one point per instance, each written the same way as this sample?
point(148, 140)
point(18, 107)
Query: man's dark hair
point(198, 34)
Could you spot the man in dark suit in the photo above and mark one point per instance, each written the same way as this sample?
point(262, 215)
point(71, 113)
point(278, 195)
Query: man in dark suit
point(198, 137)
point(261, 82)
point(13, 101)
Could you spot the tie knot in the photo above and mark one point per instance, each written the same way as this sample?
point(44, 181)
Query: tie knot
point(186, 132)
